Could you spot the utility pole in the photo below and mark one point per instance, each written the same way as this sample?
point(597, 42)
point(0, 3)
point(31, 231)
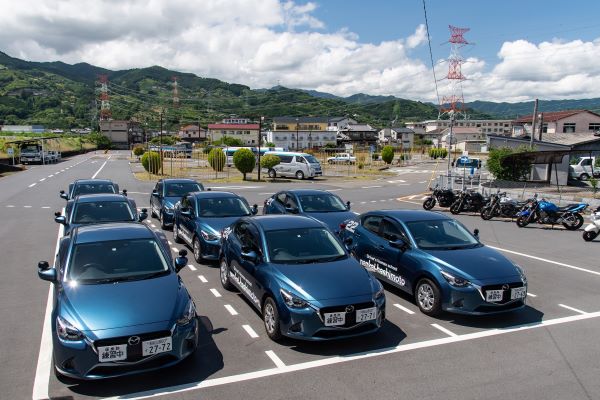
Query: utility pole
point(449, 138)
point(296, 134)
point(533, 120)
point(541, 126)
point(160, 142)
point(260, 121)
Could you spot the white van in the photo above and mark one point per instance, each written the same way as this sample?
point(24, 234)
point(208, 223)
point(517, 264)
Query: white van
point(468, 168)
point(299, 165)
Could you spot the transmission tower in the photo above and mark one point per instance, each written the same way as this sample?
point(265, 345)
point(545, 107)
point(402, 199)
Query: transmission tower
point(175, 93)
point(454, 103)
point(105, 113)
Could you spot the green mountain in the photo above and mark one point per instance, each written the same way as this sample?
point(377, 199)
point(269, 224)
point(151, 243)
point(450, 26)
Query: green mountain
point(514, 110)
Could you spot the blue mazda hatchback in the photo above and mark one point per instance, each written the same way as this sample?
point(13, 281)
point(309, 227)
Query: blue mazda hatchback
point(120, 308)
point(298, 275)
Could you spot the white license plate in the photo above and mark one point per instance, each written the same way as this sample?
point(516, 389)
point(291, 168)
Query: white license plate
point(151, 347)
point(367, 314)
point(335, 318)
point(493, 295)
point(518, 293)
point(112, 353)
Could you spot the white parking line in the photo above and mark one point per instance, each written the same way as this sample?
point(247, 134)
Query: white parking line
point(406, 310)
point(50, 176)
point(100, 169)
point(45, 206)
point(446, 331)
point(531, 294)
point(152, 225)
point(371, 187)
point(190, 266)
point(10, 206)
point(175, 249)
point(572, 309)
point(42, 180)
point(26, 206)
point(363, 202)
point(202, 279)
point(215, 292)
point(33, 184)
point(276, 360)
point(373, 201)
point(250, 331)
point(589, 271)
point(334, 190)
point(231, 309)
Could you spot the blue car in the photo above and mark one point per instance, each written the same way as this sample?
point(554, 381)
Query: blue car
point(318, 204)
point(98, 208)
point(90, 186)
point(201, 216)
point(166, 193)
point(437, 260)
point(298, 275)
point(119, 306)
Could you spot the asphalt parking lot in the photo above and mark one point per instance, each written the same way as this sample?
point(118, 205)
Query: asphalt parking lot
point(548, 350)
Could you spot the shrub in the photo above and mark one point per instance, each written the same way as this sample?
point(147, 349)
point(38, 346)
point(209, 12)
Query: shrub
point(206, 149)
point(151, 162)
point(138, 150)
point(269, 144)
point(165, 140)
point(269, 161)
point(387, 154)
point(516, 171)
point(438, 153)
point(244, 161)
point(361, 165)
point(217, 159)
point(229, 141)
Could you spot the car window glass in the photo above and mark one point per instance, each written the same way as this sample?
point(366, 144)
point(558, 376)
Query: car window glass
point(223, 207)
point(281, 197)
point(102, 211)
point(389, 231)
point(441, 234)
point(159, 188)
point(321, 203)
point(371, 223)
point(300, 160)
point(286, 159)
point(302, 246)
point(290, 201)
point(248, 236)
point(586, 162)
point(181, 189)
point(91, 188)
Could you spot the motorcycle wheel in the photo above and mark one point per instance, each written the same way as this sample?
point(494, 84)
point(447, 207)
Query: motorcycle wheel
point(575, 222)
point(589, 236)
point(487, 213)
point(429, 203)
point(456, 208)
point(522, 222)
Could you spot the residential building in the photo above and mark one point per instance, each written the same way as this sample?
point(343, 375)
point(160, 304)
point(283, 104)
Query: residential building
point(568, 121)
point(23, 128)
point(397, 135)
point(485, 126)
point(117, 131)
point(358, 134)
point(192, 133)
point(337, 123)
point(464, 138)
point(295, 133)
point(247, 132)
point(234, 119)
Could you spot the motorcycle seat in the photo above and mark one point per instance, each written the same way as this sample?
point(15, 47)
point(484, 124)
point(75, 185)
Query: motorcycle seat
point(568, 207)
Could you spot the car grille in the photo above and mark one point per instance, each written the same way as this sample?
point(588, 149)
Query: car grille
point(134, 353)
point(505, 293)
point(502, 307)
point(333, 333)
point(350, 317)
point(116, 369)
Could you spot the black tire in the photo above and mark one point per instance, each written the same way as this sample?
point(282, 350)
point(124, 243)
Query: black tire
point(429, 203)
point(162, 222)
point(271, 319)
point(428, 297)
point(224, 275)
point(456, 207)
point(176, 237)
point(487, 213)
point(152, 213)
point(197, 249)
point(272, 174)
point(522, 222)
point(589, 236)
point(299, 175)
point(578, 222)
point(584, 177)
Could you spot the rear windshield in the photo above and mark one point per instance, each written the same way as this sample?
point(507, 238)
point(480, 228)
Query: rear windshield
point(102, 211)
point(91, 188)
point(468, 164)
point(181, 189)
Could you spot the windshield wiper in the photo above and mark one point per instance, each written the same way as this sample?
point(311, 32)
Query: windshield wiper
point(131, 278)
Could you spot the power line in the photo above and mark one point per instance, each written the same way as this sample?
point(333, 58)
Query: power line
point(431, 55)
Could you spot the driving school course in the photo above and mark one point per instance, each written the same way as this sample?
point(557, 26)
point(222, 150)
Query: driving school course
point(547, 349)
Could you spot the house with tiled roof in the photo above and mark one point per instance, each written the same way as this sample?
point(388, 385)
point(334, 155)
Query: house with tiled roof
point(567, 121)
point(192, 133)
point(246, 132)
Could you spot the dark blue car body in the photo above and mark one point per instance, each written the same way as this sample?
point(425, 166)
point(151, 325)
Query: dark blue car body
point(162, 199)
point(322, 287)
point(383, 242)
point(290, 202)
point(200, 231)
point(125, 313)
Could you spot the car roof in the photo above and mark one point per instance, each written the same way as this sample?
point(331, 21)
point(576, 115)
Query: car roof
point(90, 198)
point(411, 215)
point(307, 191)
point(111, 231)
point(179, 180)
point(93, 181)
point(213, 194)
point(277, 222)
point(287, 153)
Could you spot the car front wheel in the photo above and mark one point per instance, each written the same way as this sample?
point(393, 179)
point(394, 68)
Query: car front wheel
point(224, 275)
point(271, 319)
point(428, 297)
point(197, 247)
point(176, 236)
point(299, 175)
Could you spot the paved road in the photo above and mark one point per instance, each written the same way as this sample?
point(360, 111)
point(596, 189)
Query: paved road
point(549, 350)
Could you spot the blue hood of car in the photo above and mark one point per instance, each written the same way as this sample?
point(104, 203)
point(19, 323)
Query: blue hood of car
point(479, 263)
point(332, 219)
point(217, 224)
point(121, 304)
point(170, 200)
point(323, 281)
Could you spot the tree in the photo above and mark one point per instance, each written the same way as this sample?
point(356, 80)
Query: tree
point(165, 140)
point(269, 161)
point(228, 141)
point(216, 159)
point(269, 144)
point(516, 171)
point(151, 162)
point(387, 154)
point(244, 161)
point(138, 150)
point(101, 141)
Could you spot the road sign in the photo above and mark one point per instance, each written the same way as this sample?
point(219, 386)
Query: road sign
point(10, 151)
point(464, 159)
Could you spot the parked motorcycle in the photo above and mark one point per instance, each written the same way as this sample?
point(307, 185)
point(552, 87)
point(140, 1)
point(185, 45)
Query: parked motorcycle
point(592, 230)
point(468, 200)
point(444, 197)
point(501, 205)
point(549, 213)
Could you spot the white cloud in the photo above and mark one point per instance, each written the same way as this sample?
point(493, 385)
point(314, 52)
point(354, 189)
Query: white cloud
point(264, 42)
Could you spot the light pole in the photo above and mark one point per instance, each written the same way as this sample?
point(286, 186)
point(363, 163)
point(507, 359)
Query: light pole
point(260, 121)
point(296, 134)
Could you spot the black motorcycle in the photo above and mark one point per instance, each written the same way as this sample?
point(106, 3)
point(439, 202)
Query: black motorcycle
point(444, 197)
point(500, 205)
point(468, 201)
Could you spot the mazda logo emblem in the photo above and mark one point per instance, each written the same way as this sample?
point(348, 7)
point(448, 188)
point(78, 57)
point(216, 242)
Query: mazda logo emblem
point(349, 309)
point(505, 287)
point(133, 340)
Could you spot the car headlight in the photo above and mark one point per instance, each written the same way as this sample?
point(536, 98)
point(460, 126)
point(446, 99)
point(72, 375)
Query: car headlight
point(455, 280)
point(293, 301)
point(66, 331)
point(168, 207)
point(522, 274)
point(188, 314)
point(380, 291)
point(206, 235)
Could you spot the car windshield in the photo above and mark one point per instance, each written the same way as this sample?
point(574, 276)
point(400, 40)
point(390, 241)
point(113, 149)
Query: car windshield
point(92, 188)
point(181, 189)
point(102, 211)
point(311, 159)
point(222, 207)
point(116, 260)
point(445, 234)
point(321, 203)
point(303, 246)
point(472, 163)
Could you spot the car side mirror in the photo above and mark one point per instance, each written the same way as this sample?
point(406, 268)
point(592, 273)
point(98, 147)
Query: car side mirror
point(250, 255)
point(399, 244)
point(476, 233)
point(143, 214)
point(63, 195)
point(254, 209)
point(46, 273)
point(185, 212)
point(348, 205)
point(155, 193)
point(61, 219)
point(181, 261)
point(124, 192)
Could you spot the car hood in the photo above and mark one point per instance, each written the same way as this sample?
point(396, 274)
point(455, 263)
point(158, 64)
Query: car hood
point(171, 201)
point(217, 224)
point(328, 280)
point(121, 304)
point(331, 219)
point(479, 263)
